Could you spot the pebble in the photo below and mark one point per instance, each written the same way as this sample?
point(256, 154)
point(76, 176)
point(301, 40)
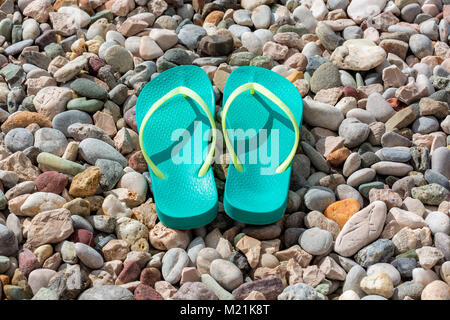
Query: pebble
point(316, 241)
point(173, 263)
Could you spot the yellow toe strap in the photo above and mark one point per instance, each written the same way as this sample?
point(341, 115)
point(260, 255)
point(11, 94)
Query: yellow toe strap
point(252, 87)
point(186, 92)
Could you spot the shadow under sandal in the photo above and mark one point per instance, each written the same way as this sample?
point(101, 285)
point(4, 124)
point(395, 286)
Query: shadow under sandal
point(175, 117)
point(261, 115)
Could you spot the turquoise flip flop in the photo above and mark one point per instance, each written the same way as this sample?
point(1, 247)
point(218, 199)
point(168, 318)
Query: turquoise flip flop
point(175, 115)
point(257, 100)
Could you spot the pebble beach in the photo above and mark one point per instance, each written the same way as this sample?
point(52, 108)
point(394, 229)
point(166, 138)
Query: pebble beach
point(368, 206)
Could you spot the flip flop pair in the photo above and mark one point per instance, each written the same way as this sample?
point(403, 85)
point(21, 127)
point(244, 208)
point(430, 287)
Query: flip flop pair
point(261, 115)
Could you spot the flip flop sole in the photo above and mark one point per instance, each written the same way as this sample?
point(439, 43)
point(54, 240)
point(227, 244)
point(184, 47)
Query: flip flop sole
point(258, 195)
point(175, 138)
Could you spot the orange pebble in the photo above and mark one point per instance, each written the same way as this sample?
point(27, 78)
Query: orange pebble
point(341, 211)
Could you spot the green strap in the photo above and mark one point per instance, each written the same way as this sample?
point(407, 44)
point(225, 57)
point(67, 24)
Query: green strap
point(252, 86)
point(194, 96)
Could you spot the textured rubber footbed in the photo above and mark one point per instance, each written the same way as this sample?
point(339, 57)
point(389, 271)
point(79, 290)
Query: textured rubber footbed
point(183, 200)
point(251, 196)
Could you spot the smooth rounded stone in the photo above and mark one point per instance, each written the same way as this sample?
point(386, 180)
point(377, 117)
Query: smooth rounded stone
point(316, 241)
point(81, 223)
point(421, 45)
point(50, 140)
point(313, 52)
point(194, 248)
point(365, 188)
point(410, 12)
point(436, 290)
point(299, 291)
point(373, 297)
point(344, 191)
point(351, 164)
point(89, 89)
point(106, 292)
point(432, 176)
point(91, 258)
point(190, 35)
point(226, 273)
point(353, 131)
point(18, 47)
point(325, 77)
point(393, 139)
point(442, 242)
point(379, 107)
point(361, 115)
point(320, 114)
point(261, 17)
point(424, 276)
point(361, 176)
point(63, 120)
point(319, 198)
point(328, 38)
point(4, 264)
point(389, 168)
point(314, 179)
point(438, 222)
point(361, 229)
point(408, 289)
point(18, 139)
point(358, 55)
point(424, 125)
point(386, 268)
point(115, 36)
point(352, 32)
point(405, 266)
point(252, 43)
point(243, 17)
point(396, 155)
point(432, 194)
point(347, 79)
point(39, 278)
point(316, 158)
point(430, 29)
point(173, 263)
point(379, 251)
point(353, 280)
point(93, 149)
point(194, 291)
point(440, 161)
point(30, 29)
point(119, 58)
point(304, 15)
point(59, 164)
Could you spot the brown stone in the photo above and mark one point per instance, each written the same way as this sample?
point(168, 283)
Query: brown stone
point(337, 157)
point(23, 119)
point(85, 183)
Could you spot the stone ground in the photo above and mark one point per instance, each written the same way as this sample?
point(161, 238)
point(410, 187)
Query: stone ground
point(368, 207)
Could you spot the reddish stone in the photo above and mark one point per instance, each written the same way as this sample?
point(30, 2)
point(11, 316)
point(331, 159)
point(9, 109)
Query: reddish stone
point(149, 276)
point(1, 187)
point(27, 261)
point(95, 63)
point(130, 118)
point(350, 92)
point(137, 162)
point(145, 292)
point(446, 12)
point(51, 181)
point(130, 272)
point(83, 236)
point(396, 104)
